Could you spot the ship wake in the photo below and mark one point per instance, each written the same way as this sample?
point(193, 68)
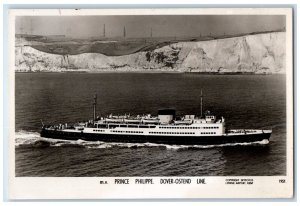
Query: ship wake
point(25, 139)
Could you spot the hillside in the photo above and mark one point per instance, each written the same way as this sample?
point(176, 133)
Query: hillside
point(258, 53)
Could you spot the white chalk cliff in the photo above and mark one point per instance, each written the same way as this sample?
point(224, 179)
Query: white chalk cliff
point(260, 53)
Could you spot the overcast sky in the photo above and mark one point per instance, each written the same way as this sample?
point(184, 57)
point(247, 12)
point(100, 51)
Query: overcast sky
point(140, 26)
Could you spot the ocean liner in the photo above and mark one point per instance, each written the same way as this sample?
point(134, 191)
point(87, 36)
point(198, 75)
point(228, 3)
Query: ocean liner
point(166, 128)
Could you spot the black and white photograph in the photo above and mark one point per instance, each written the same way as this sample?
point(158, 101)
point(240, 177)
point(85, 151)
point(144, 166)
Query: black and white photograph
point(179, 98)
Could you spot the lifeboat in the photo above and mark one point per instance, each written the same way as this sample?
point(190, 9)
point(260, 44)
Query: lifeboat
point(132, 120)
point(150, 120)
point(185, 121)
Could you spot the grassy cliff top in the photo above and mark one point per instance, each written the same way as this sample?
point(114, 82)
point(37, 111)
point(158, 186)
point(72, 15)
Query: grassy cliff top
point(117, 46)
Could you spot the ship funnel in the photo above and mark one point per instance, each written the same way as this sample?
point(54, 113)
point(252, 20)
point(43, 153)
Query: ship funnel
point(166, 116)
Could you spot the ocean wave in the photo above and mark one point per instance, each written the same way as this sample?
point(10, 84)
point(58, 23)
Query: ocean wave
point(33, 139)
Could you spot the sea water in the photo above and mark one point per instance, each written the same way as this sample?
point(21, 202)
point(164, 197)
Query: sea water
point(245, 101)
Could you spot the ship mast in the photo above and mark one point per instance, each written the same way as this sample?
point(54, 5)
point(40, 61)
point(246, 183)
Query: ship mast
point(201, 103)
point(94, 105)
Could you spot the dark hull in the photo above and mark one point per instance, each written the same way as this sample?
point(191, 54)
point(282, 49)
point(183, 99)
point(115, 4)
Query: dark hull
point(177, 140)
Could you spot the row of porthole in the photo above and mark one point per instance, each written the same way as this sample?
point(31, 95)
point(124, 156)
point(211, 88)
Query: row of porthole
point(128, 131)
point(172, 132)
point(189, 127)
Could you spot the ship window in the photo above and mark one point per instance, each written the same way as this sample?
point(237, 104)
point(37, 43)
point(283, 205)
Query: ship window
point(132, 126)
point(143, 126)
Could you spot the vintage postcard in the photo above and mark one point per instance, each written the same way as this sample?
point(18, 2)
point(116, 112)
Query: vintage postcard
point(151, 103)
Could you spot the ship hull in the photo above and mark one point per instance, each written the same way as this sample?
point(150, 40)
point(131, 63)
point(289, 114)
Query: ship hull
point(172, 140)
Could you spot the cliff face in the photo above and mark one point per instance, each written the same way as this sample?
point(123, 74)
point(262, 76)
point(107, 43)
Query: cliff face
point(261, 53)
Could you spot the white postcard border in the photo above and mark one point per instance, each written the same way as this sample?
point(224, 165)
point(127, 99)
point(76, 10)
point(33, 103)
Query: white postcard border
point(89, 187)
